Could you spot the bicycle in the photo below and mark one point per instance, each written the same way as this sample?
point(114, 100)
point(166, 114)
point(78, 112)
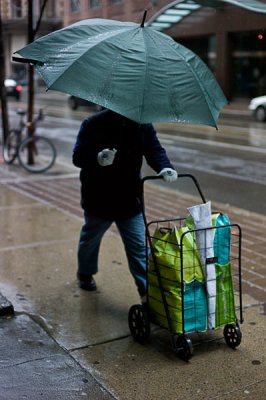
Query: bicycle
point(35, 153)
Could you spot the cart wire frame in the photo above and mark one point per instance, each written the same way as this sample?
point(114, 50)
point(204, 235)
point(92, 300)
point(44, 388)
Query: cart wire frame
point(139, 316)
point(160, 224)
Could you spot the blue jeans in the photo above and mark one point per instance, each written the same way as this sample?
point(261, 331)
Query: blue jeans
point(132, 231)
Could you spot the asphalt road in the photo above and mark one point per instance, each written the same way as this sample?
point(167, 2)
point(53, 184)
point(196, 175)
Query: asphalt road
point(230, 168)
point(229, 163)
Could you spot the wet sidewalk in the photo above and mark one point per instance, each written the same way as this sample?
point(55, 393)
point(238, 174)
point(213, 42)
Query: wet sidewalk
point(34, 366)
point(66, 343)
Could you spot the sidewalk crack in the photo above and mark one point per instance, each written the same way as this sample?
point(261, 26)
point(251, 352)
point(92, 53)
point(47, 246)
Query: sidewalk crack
point(99, 343)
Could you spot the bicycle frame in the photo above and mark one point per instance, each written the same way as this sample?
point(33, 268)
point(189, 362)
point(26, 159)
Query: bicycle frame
point(31, 129)
point(35, 153)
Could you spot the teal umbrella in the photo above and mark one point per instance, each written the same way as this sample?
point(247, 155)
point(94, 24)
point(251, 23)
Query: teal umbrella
point(129, 68)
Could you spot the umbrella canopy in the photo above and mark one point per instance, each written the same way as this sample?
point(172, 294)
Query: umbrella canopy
point(131, 69)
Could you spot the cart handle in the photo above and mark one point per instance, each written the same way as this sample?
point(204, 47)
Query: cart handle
point(154, 177)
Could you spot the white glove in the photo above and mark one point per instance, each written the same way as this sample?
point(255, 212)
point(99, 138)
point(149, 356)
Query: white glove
point(106, 157)
point(168, 174)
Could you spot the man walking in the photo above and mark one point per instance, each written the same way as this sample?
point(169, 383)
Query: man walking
point(110, 150)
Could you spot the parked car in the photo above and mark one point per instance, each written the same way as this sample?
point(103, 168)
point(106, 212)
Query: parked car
point(74, 102)
point(258, 108)
point(13, 88)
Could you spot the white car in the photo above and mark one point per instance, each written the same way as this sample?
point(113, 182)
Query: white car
point(258, 108)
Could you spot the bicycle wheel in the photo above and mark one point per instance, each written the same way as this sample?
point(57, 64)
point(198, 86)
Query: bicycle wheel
point(44, 154)
point(10, 150)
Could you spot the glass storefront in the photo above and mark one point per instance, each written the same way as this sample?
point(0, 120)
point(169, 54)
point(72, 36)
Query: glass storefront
point(249, 63)
point(248, 60)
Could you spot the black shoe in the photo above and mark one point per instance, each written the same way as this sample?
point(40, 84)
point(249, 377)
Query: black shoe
point(86, 282)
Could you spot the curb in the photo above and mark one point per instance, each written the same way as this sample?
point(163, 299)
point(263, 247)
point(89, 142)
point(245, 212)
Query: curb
point(6, 308)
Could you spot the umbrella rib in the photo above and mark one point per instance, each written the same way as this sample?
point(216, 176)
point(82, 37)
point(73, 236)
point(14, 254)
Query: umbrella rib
point(145, 75)
point(133, 70)
point(117, 32)
point(205, 92)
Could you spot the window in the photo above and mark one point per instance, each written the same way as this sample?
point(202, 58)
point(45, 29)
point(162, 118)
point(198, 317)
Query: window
point(115, 1)
point(75, 5)
point(94, 3)
point(16, 8)
point(50, 9)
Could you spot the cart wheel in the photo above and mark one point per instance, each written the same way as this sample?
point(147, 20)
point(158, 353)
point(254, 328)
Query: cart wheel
point(139, 323)
point(232, 335)
point(183, 347)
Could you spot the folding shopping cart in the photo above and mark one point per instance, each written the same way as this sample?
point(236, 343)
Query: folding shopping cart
point(193, 278)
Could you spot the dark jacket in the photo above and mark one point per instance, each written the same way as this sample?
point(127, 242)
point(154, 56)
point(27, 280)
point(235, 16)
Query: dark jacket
point(114, 191)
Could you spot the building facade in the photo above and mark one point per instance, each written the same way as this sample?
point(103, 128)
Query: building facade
point(230, 38)
point(14, 14)
point(124, 10)
point(232, 41)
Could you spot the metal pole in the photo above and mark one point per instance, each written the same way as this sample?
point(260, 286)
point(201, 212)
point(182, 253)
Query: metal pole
point(5, 124)
point(31, 83)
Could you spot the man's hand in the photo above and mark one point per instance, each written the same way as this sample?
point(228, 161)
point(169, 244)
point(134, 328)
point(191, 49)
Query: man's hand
point(168, 174)
point(106, 157)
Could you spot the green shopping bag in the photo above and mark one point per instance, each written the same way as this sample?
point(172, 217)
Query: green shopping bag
point(225, 304)
point(195, 307)
point(166, 252)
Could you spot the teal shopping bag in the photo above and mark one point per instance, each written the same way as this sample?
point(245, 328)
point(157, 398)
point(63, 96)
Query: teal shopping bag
point(195, 306)
point(222, 239)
